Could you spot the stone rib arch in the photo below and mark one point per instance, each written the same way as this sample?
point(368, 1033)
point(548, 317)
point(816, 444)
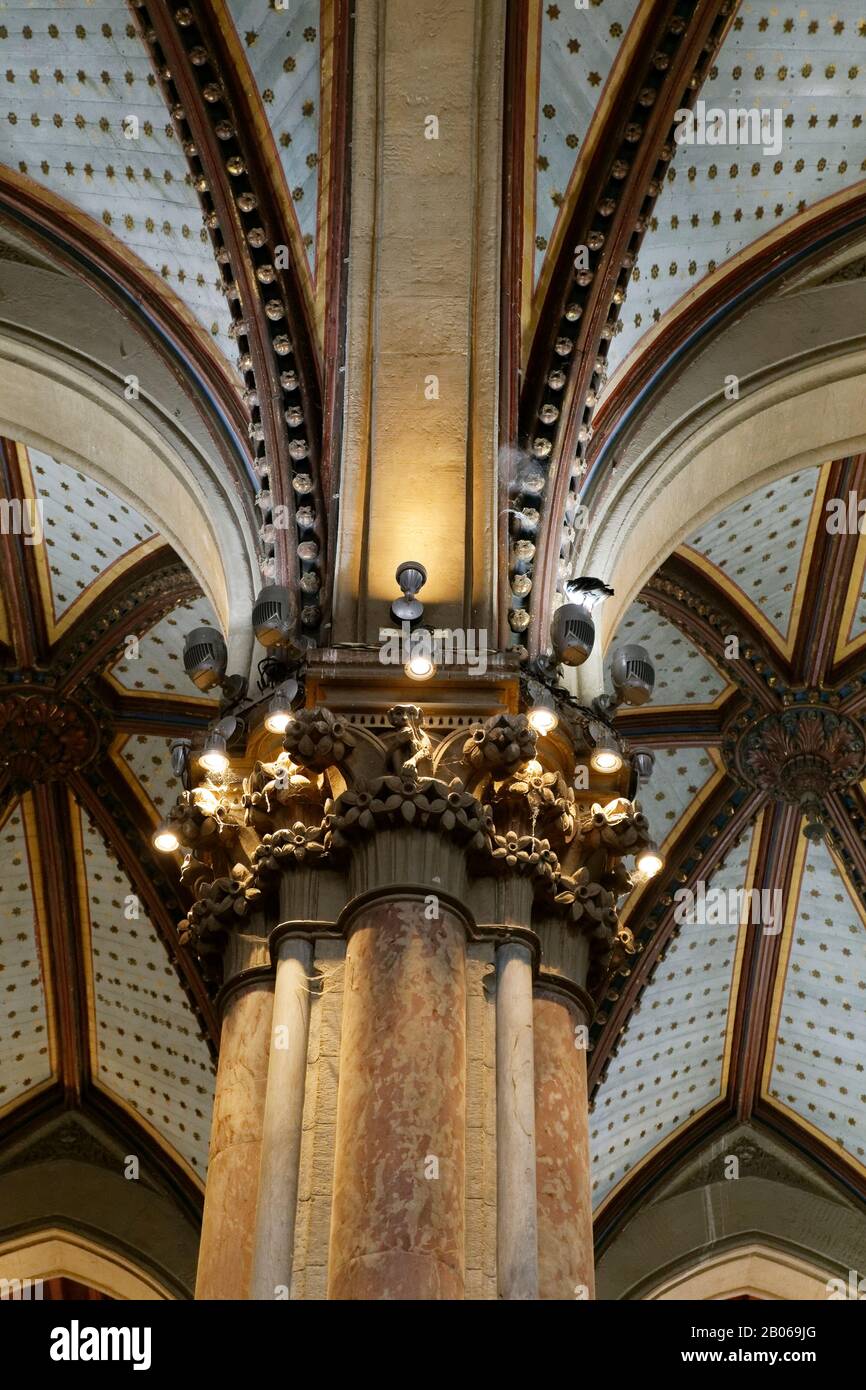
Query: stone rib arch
point(814, 413)
point(56, 407)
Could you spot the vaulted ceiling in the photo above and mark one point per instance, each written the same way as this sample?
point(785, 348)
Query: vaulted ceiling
point(101, 1010)
point(634, 246)
point(758, 614)
point(190, 163)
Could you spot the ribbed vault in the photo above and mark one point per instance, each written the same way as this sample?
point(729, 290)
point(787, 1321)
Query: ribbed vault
point(104, 1017)
point(759, 614)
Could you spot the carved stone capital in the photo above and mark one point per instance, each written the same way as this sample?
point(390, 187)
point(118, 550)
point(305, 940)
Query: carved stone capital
point(396, 801)
point(500, 745)
point(316, 739)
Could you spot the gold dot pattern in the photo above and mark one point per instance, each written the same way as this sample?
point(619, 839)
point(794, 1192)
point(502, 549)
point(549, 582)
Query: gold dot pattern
point(819, 1061)
point(158, 667)
point(148, 758)
point(149, 1046)
point(758, 543)
point(283, 49)
point(679, 775)
point(87, 528)
point(578, 50)
point(805, 61)
point(24, 1051)
point(668, 1062)
point(684, 676)
point(69, 79)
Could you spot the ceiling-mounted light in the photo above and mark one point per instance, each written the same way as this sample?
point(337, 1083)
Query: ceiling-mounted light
point(606, 756)
point(411, 576)
point(273, 615)
point(633, 674)
point(279, 714)
point(420, 665)
point(644, 761)
point(543, 717)
point(214, 756)
point(649, 862)
point(572, 631)
point(165, 840)
point(205, 657)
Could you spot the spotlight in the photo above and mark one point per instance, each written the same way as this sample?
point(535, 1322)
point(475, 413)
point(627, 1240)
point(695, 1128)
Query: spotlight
point(633, 675)
point(606, 756)
point(165, 840)
point(649, 862)
point(420, 665)
point(205, 800)
point(214, 756)
point(644, 762)
point(273, 615)
point(279, 715)
point(205, 656)
point(411, 576)
point(572, 634)
point(543, 717)
point(572, 631)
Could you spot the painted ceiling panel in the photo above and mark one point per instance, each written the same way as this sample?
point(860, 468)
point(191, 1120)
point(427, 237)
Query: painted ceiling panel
point(25, 1058)
point(679, 775)
point(283, 49)
point(148, 1045)
point(578, 48)
point(148, 759)
point(69, 76)
point(684, 676)
point(804, 61)
point(669, 1063)
point(758, 544)
point(819, 1066)
point(159, 664)
point(87, 528)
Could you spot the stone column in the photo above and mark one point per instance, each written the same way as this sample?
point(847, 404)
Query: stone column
point(397, 1229)
point(283, 1117)
point(517, 1228)
point(226, 1250)
point(565, 1242)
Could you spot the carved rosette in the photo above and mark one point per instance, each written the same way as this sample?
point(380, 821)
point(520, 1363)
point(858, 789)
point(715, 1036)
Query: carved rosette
point(43, 739)
point(395, 802)
point(289, 848)
point(316, 739)
point(501, 745)
point(220, 905)
point(799, 755)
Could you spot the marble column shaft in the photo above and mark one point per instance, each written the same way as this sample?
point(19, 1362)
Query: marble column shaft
point(397, 1228)
point(282, 1124)
point(228, 1224)
point(565, 1240)
point(517, 1226)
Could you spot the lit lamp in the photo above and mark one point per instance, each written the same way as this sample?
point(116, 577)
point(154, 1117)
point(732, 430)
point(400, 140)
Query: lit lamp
point(420, 666)
point(214, 756)
point(205, 800)
point(543, 717)
point(165, 840)
point(606, 756)
point(279, 715)
point(649, 862)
